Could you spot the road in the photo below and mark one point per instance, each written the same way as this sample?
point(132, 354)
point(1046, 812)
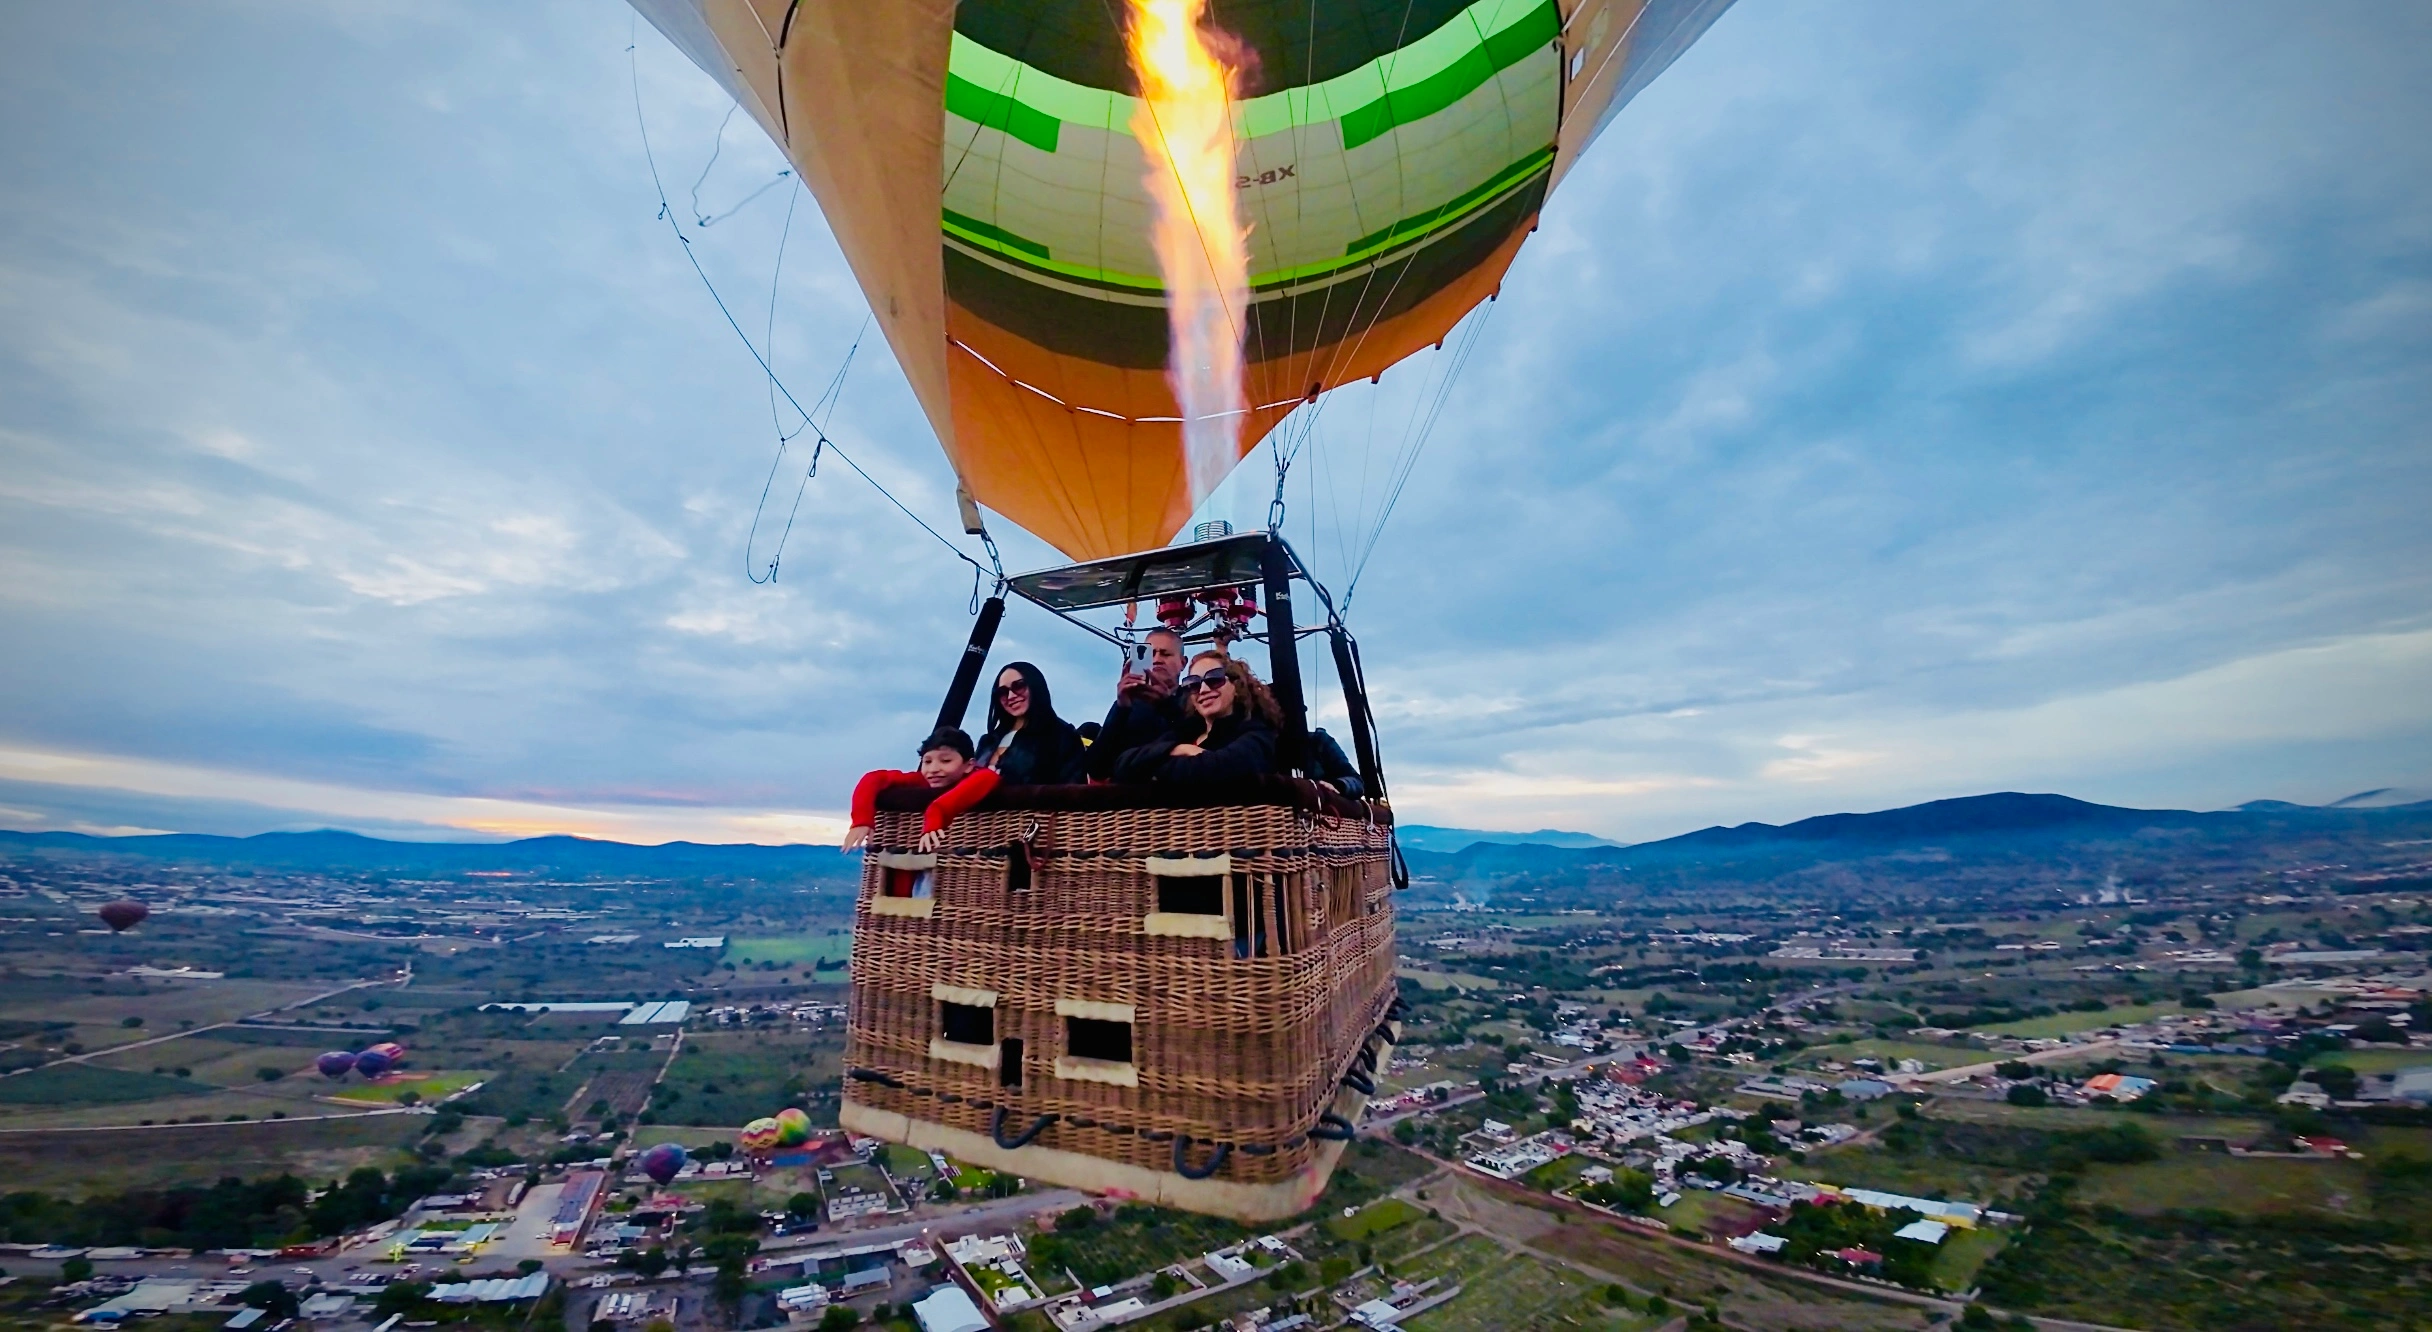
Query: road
point(2053, 1056)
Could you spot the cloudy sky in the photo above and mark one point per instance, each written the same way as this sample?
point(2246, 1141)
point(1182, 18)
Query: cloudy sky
point(1901, 402)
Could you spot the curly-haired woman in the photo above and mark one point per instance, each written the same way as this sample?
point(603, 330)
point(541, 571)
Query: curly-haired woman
point(1229, 722)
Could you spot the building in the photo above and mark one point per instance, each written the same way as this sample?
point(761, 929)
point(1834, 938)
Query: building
point(2117, 1086)
point(2412, 1084)
point(948, 1308)
point(575, 1200)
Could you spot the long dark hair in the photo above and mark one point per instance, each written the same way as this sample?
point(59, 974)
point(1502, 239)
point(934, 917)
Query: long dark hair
point(1042, 704)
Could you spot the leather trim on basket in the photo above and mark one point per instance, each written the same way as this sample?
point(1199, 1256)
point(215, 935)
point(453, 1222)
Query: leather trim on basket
point(1097, 1070)
point(1189, 867)
point(958, 994)
point(1186, 925)
point(920, 907)
point(1094, 1010)
point(1290, 792)
point(955, 1052)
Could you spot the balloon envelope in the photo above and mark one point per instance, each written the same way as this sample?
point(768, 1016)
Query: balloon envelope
point(793, 1128)
point(977, 164)
point(759, 1135)
point(372, 1063)
point(335, 1064)
point(663, 1162)
point(124, 914)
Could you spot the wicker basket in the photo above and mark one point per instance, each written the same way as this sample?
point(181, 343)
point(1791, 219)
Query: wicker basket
point(1241, 955)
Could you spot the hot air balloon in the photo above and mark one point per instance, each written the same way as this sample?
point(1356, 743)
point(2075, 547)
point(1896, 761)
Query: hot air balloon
point(375, 1060)
point(336, 1064)
point(759, 1136)
point(1389, 157)
point(124, 914)
point(1112, 253)
point(663, 1162)
point(793, 1127)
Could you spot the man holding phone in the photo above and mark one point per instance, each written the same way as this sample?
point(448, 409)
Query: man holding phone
point(1145, 705)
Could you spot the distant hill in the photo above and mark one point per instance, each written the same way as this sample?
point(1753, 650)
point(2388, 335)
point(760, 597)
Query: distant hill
point(1425, 837)
point(571, 857)
point(1939, 839)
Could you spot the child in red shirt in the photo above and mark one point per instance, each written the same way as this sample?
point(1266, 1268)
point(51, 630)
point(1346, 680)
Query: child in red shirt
point(945, 765)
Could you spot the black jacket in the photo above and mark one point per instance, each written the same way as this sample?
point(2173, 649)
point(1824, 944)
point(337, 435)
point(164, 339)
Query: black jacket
point(1049, 753)
point(1240, 747)
point(1131, 723)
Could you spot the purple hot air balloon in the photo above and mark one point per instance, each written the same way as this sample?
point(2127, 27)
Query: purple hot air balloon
point(336, 1064)
point(373, 1062)
point(124, 914)
point(663, 1162)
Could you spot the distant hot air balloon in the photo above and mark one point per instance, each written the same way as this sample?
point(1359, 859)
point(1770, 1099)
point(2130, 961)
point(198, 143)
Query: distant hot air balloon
point(373, 1062)
point(759, 1135)
point(793, 1127)
point(663, 1162)
point(388, 1050)
point(124, 914)
point(335, 1064)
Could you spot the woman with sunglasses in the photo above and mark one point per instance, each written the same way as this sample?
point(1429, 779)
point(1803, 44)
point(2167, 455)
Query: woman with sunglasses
point(1027, 743)
point(1229, 722)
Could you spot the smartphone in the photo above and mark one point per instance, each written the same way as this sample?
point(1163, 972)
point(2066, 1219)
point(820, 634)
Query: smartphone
point(1135, 659)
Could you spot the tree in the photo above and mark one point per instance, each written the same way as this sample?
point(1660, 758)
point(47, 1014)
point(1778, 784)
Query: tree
point(805, 1203)
point(838, 1318)
point(2027, 1093)
point(1078, 1219)
point(1162, 1286)
point(78, 1268)
point(268, 1074)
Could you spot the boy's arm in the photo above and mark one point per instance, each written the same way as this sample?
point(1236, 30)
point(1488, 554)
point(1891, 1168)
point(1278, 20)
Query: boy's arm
point(958, 798)
point(865, 792)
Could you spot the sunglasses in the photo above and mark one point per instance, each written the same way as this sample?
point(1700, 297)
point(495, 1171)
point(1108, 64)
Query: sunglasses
point(1008, 691)
point(1209, 679)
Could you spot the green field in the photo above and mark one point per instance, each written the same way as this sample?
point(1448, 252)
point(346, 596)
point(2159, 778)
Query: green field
point(1964, 1253)
point(2063, 1024)
point(2242, 1186)
point(2385, 1060)
point(425, 1086)
point(792, 950)
point(727, 1078)
point(1374, 1219)
point(80, 1163)
point(85, 1084)
point(1519, 1291)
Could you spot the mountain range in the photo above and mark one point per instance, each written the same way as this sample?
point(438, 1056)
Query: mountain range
point(2003, 827)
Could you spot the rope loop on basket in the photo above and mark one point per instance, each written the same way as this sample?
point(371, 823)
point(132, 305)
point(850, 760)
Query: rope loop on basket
point(1331, 1127)
point(1359, 1082)
point(996, 1130)
point(1182, 1158)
